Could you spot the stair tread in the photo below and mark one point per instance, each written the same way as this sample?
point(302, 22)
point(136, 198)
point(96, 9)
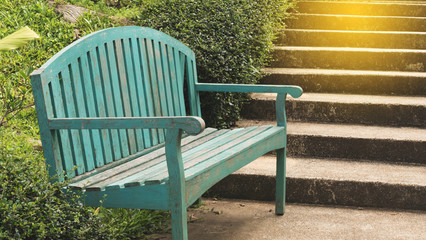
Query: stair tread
point(346, 130)
point(353, 31)
point(340, 170)
point(358, 16)
point(313, 71)
point(349, 98)
point(349, 49)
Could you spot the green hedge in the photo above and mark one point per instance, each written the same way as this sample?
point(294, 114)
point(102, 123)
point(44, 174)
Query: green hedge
point(232, 40)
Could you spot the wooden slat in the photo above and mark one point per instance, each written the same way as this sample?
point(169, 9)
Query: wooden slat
point(109, 99)
point(70, 107)
point(125, 95)
point(167, 84)
point(143, 135)
point(118, 103)
point(180, 80)
point(131, 78)
point(174, 81)
point(194, 101)
point(87, 75)
point(204, 153)
point(154, 86)
point(197, 150)
point(145, 91)
point(159, 163)
point(160, 79)
point(191, 172)
point(98, 85)
point(64, 141)
point(81, 109)
point(100, 180)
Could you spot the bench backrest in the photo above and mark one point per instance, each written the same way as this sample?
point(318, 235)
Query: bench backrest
point(116, 72)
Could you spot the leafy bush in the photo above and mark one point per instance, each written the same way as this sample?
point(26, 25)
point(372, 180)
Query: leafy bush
point(16, 65)
point(30, 206)
point(232, 41)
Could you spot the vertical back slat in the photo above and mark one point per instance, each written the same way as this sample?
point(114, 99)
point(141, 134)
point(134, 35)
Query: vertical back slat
point(191, 88)
point(174, 81)
point(65, 146)
point(180, 72)
point(117, 96)
point(55, 137)
point(125, 92)
point(166, 74)
point(71, 112)
point(154, 85)
point(129, 65)
point(81, 109)
point(140, 73)
point(109, 99)
point(100, 103)
point(148, 100)
point(160, 79)
point(87, 75)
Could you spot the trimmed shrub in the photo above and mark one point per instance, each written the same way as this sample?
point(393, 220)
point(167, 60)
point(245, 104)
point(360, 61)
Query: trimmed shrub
point(232, 41)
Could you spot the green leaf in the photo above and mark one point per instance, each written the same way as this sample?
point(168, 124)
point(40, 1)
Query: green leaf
point(17, 39)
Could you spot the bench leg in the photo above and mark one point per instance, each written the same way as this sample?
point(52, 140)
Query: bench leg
point(280, 182)
point(179, 223)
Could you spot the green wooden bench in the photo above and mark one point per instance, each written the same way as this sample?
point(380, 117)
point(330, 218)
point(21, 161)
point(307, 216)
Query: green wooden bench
point(112, 117)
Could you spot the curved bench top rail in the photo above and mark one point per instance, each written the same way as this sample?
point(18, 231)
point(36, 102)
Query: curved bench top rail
point(61, 59)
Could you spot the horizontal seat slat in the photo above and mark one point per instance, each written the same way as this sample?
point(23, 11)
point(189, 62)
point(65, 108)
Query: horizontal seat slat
point(204, 153)
point(94, 182)
point(140, 176)
point(198, 152)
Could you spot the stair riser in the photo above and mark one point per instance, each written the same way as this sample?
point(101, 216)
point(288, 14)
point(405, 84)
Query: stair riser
point(383, 150)
point(356, 23)
point(369, 9)
point(332, 112)
point(353, 60)
point(352, 39)
point(320, 191)
point(353, 84)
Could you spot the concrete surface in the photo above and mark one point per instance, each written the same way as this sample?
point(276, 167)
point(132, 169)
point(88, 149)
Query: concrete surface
point(331, 182)
point(400, 111)
point(349, 81)
point(250, 220)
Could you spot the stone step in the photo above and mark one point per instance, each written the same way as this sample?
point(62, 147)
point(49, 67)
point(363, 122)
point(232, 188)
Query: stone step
point(378, 143)
point(357, 23)
point(331, 181)
point(358, 39)
point(417, 9)
point(342, 108)
point(349, 81)
point(350, 58)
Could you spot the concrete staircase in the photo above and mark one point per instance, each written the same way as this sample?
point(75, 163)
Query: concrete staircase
point(357, 136)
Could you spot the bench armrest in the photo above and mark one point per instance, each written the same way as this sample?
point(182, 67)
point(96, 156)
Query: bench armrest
point(192, 125)
point(294, 91)
point(281, 90)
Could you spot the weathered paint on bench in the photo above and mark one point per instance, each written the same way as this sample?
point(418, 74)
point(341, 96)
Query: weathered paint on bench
point(112, 117)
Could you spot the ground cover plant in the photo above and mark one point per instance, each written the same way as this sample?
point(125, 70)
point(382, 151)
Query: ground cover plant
point(232, 40)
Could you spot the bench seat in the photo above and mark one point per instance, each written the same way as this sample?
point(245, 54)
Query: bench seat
point(202, 155)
